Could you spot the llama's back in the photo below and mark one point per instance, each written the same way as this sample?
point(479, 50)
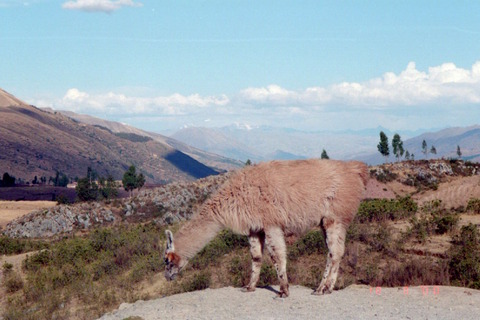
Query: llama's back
point(293, 194)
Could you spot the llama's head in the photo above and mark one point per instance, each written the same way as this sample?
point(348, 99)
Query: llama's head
point(173, 262)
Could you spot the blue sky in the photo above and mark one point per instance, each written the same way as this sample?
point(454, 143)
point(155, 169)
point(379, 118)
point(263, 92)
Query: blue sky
point(312, 65)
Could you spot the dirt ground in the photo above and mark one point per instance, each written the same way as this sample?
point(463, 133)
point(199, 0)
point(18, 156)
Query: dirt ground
point(354, 302)
point(454, 193)
point(9, 210)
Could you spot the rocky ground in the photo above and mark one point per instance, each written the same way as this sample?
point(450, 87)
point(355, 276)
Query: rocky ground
point(354, 302)
point(167, 204)
point(455, 182)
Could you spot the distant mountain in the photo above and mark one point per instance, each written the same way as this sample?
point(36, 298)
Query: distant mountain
point(218, 162)
point(282, 155)
point(264, 143)
point(34, 142)
point(445, 142)
point(218, 142)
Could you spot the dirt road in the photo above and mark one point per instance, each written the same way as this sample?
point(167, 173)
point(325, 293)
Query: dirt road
point(354, 302)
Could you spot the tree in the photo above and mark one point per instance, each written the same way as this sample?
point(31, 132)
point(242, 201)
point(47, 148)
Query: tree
point(7, 180)
point(424, 148)
point(459, 152)
point(60, 180)
point(86, 189)
point(131, 180)
point(407, 155)
point(397, 146)
point(324, 155)
point(433, 150)
point(248, 163)
point(108, 188)
point(140, 181)
point(383, 145)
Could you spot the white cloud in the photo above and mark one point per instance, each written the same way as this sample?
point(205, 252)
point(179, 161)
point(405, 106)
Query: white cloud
point(445, 83)
point(118, 103)
point(107, 6)
point(444, 94)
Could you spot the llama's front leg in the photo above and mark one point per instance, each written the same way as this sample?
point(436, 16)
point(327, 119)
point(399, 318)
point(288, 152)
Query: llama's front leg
point(275, 242)
point(256, 241)
point(335, 234)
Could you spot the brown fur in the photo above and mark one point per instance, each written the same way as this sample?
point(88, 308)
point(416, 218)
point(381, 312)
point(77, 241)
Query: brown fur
point(273, 199)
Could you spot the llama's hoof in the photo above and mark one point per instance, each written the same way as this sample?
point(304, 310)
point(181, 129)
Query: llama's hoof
point(282, 295)
point(321, 291)
point(248, 289)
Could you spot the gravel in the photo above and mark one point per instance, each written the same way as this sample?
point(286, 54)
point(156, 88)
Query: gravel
point(354, 302)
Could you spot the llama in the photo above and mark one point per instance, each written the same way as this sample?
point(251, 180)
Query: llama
point(269, 201)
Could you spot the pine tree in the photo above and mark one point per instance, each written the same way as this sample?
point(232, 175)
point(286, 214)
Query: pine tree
point(397, 146)
point(424, 148)
point(131, 180)
point(324, 155)
point(407, 155)
point(433, 150)
point(383, 145)
point(459, 152)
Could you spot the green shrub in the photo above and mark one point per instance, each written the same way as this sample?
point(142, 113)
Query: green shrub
point(434, 219)
point(7, 267)
point(37, 260)
point(268, 275)
point(464, 258)
point(240, 270)
point(311, 242)
point(384, 209)
point(444, 224)
point(12, 282)
point(474, 205)
point(16, 246)
point(199, 281)
point(225, 242)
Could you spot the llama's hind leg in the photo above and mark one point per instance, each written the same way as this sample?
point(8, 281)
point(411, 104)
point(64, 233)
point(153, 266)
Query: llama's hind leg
point(257, 241)
point(275, 242)
point(335, 238)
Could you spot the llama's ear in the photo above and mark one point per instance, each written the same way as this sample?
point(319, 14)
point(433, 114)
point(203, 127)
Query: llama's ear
point(170, 247)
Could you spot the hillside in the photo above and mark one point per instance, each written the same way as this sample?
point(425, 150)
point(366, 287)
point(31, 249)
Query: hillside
point(219, 163)
point(39, 143)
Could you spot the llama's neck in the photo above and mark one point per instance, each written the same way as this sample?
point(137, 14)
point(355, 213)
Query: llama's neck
point(195, 235)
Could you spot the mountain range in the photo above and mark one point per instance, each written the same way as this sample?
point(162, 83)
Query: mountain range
point(267, 143)
point(36, 142)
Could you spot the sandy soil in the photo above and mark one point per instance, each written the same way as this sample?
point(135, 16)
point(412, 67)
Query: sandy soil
point(9, 210)
point(354, 302)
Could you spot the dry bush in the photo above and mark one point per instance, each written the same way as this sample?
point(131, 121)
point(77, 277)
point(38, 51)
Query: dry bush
point(416, 271)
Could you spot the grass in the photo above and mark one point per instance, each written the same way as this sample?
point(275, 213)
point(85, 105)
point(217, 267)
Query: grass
point(96, 271)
